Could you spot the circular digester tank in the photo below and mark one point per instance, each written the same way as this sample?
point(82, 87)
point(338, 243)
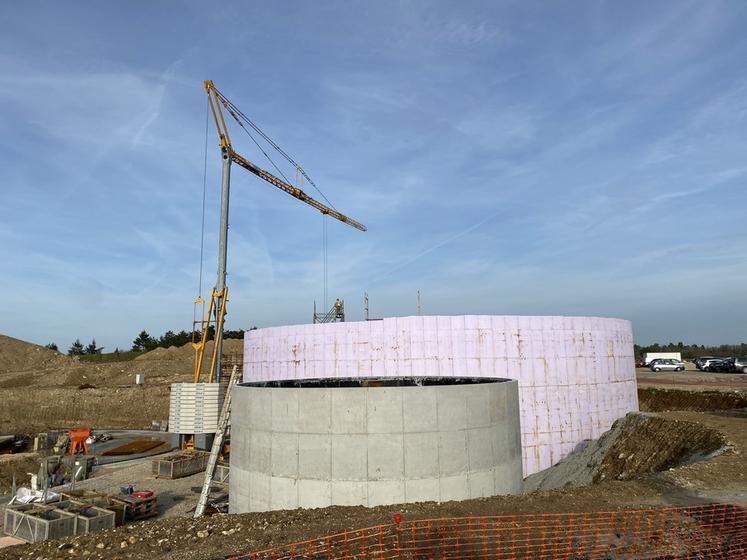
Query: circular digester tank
point(373, 441)
point(576, 374)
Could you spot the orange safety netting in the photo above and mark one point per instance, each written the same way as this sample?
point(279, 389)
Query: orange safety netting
point(712, 532)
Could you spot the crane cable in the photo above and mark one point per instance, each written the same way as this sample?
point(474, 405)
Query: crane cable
point(237, 114)
point(234, 111)
point(324, 257)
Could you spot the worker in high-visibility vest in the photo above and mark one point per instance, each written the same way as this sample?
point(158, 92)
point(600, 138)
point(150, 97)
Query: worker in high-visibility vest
point(338, 307)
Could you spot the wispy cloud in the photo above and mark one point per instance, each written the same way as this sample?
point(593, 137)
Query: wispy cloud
point(505, 159)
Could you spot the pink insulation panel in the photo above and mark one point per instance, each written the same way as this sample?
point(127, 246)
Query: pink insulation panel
point(576, 374)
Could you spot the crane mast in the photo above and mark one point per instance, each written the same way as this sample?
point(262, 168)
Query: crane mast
point(216, 311)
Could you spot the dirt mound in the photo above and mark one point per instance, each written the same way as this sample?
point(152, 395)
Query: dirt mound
point(19, 466)
point(635, 445)
point(17, 355)
point(186, 352)
point(660, 400)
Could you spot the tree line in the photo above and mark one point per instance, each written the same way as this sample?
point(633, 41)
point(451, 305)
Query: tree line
point(77, 348)
point(690, 351)
point(144, 342)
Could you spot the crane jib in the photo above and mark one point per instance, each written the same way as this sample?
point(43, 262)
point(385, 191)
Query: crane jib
point(293, 191)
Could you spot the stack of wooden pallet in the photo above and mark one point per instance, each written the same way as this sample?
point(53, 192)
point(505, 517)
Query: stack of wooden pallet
point(137, 507)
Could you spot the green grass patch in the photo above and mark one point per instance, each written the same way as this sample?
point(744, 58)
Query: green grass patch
point(111, 357)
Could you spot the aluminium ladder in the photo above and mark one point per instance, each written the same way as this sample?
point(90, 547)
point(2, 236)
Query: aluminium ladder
point(225, 415)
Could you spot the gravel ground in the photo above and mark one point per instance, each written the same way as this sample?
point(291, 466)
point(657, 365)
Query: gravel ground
point(692, 380)
point(723, 477)
point(175, 497)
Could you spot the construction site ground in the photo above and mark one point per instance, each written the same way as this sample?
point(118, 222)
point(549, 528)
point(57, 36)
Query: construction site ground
point(716, 416)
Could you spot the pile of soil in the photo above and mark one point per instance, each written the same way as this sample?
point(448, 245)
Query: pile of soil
point(17, 355)
point(18, 465)
point(41, 389)
point(186, 352)
point(28, 412)
point(636, 444)
point(660, 400)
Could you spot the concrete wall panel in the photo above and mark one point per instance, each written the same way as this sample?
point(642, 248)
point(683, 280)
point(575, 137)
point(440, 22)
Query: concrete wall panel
point(576, 374)
point(385, 455)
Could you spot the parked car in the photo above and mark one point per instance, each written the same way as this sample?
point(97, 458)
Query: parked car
point(663, 364)
point(699, 361)
point(664, 360)
point(740, 365)
point(705, 364)
point(722, 365)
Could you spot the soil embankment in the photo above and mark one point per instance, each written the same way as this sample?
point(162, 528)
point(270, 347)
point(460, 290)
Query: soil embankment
point(659, 400)
point(41, 389)
point(637, 444)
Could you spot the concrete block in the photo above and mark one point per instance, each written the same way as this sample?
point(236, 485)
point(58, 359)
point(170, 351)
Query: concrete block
point(481, 484)
point(314, 456)
point(452, 453)
point(420, 410)
point(384, 410)
point(480, 448)
point(383, 492)
point(348, 412)
point(349, 493)
point(284, 455)
point(453, 488)
point(452, 410)
point(261, 445)
point(241, 484)
point(260, 413)
point(386, 456)
point(505, 479)
point(497, 409)
point(315, 412)
point(478, 407)
point(283, 493)
point(421, 490)
point(314, 493)
point(259, 492)
point(349, 457)
point(285, 411)
point(421, 455)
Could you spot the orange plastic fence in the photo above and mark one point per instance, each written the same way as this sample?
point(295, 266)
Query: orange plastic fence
point(712, 532)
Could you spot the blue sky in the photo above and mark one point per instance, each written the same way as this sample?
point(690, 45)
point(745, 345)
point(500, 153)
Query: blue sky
point(508, 158)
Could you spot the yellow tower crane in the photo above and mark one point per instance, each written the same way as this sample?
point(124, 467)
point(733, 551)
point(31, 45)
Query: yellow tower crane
point(216, 309)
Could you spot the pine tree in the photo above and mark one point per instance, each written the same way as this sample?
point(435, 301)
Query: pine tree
point(76, 349)
point(144, 342)
point(92, 348)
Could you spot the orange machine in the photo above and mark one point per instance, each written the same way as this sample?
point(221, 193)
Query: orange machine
point(78, 441)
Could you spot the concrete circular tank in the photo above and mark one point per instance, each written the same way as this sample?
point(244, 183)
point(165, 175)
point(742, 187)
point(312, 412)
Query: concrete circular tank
point(372, 442)
point(576, 374)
